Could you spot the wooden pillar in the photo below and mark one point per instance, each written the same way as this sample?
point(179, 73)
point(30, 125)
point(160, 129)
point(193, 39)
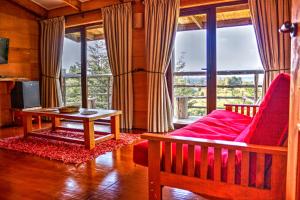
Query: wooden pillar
point(255, 87)
point(182, 107)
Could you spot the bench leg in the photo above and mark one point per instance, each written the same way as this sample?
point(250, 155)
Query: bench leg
point(55, 122)
point(115, 126)
point(89, 134)
point(27, 124)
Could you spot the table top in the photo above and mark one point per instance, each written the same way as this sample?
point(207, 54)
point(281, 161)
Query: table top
point(53, 112)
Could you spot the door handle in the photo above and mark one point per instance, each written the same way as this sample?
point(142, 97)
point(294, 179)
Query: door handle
point(289, 27)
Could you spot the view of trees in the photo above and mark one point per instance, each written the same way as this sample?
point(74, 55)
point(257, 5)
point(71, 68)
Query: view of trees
point(99, 78)
point(100, 81)
point(231, 89)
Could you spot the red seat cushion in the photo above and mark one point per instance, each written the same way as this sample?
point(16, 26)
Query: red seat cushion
point(219, 125)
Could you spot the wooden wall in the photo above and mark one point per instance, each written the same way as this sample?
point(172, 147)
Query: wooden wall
point(140, 78)
point(293, 167)
point(22, 29)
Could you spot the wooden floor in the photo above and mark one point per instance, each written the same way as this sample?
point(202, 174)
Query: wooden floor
point(111, 176)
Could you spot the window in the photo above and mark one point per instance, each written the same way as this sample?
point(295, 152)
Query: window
point(86, 80)
point(239, 68)
point(190, 67)
point(71, 69)
point(216, 60)
point(98, 69)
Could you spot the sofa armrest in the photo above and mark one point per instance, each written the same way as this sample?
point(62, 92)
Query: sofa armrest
point(245, 109)
point(230, 145)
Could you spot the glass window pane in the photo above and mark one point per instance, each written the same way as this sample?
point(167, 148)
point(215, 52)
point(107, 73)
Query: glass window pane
point(239, 68)
point(190, 68)
point(71, 69)
point(99, 73)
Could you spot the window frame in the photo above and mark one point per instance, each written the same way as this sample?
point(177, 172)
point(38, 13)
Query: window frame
point(211, 47)
point(84, 68)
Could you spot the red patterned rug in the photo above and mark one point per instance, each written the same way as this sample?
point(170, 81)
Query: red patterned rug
point(63, 151)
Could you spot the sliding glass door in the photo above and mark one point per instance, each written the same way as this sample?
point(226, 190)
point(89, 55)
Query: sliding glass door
point(216, 60)
point(239, 69)
point(86, 75)
point(193, 70)
point(98, 70)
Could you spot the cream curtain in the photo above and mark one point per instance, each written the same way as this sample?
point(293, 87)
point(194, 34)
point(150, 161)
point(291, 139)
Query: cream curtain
point(52, 39)
point(161, 18)
point(274, 48)
point(118, 35)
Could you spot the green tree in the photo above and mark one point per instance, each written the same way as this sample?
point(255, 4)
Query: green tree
point(99, 78)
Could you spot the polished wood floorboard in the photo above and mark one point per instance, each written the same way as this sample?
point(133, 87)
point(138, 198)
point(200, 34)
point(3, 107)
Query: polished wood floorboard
point(110, 176)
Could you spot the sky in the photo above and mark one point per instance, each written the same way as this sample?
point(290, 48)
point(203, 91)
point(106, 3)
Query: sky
point(236, 49)
point(71, 53)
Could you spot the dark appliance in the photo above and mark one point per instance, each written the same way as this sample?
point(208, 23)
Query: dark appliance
point(25, 94)
point(4, 50)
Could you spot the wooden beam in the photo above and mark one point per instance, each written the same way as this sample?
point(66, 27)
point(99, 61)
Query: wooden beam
point(198, 21)
point(90, 17)
point(32, 7)
point(192, 3)
point(236, 7)
point(76, 4)
point(85, 7)
point(220, 24)
point(98, 4)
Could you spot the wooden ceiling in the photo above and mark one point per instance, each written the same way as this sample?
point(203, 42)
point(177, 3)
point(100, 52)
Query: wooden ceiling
point(234, 15)
point(55, 8)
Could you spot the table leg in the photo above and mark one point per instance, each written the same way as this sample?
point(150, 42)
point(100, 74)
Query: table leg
point(27, 124)
point(39, 119)
point(55, 122)
point(89, 134)
point(115, 126)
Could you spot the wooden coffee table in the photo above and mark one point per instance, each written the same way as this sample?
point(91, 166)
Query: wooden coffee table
point(88, 125)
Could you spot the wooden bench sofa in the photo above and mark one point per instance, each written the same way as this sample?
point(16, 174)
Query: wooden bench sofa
point(236, 153)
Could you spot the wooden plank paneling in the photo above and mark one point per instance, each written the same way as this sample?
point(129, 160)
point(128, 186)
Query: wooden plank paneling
point(140, 78)
point(293, 167)
point(32, 7)
point(84, 18)
point(22, 29)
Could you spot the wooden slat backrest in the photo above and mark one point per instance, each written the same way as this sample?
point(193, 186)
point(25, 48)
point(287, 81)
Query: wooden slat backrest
point(249, 110)
point(278, 155)
point(191, 160)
